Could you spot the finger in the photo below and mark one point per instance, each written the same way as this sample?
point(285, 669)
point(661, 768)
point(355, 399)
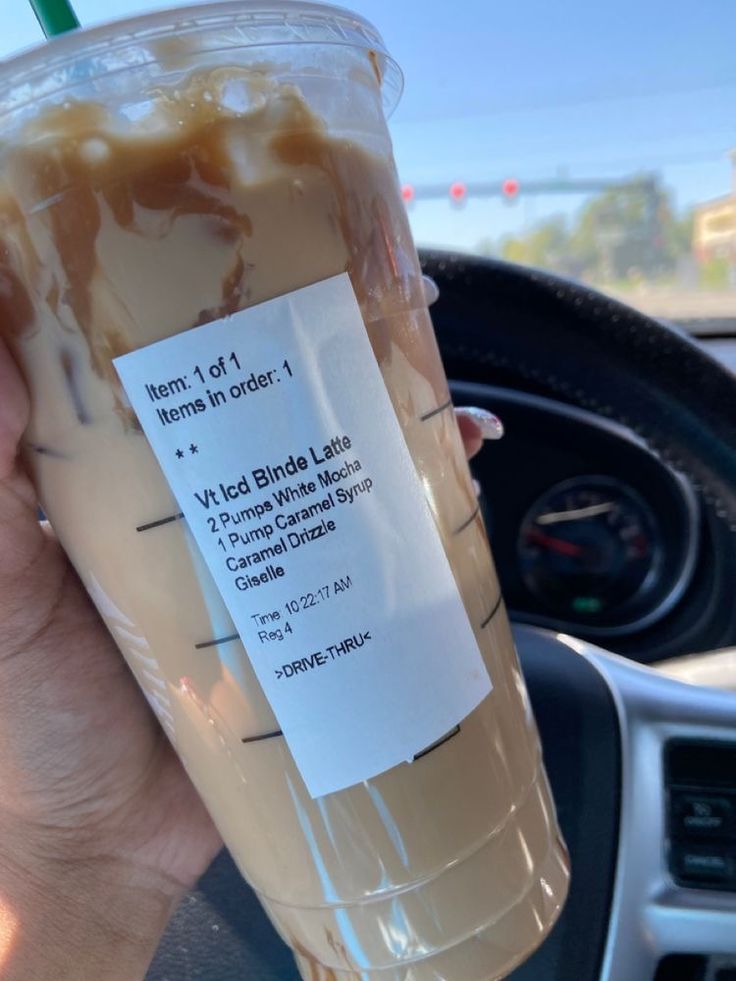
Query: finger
point(17, 498)
point(476, 426)
point(21, 539)
point(431, 290)
point(14, 411)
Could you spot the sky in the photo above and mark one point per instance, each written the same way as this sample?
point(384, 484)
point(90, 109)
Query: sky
point(534, 89)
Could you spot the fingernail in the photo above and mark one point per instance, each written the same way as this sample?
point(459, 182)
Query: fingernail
point(477, 488)
point(491, 426)
point(431, 290)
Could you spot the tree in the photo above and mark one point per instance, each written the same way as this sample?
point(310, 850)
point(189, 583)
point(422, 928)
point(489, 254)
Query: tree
point(621, 234)
point(679, 234)
point(547, 245)
point(486, 247)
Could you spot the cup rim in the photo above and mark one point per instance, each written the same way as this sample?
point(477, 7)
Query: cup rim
point(45, 70)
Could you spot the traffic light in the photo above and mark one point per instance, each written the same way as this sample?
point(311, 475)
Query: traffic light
point(458, 192)
point(510, 188)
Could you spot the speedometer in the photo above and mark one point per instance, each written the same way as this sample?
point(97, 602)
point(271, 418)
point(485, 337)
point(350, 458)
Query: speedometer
point(588, 547)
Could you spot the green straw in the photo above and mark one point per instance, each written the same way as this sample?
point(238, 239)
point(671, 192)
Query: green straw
point(54, 16)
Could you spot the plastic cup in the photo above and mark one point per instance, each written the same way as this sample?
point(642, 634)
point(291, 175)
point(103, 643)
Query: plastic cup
point(172, 171)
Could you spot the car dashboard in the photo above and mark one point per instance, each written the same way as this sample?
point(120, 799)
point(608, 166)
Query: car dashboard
point(596, 536)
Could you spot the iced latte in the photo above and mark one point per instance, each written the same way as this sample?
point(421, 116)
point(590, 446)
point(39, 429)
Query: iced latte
point(211, 194)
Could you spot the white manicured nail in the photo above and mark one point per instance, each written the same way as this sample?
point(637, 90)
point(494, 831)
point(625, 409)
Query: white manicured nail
point(491, 426)
point(431, 290)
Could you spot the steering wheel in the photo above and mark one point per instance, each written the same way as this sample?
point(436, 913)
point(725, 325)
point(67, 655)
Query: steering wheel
point(609, 728)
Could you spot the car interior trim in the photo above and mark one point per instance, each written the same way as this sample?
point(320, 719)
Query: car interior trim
point(652, 916)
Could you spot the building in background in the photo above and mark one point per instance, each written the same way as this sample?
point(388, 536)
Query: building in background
point(714, 229)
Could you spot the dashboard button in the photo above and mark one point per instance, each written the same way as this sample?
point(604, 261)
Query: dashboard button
point(702, 815)
point(704, 865)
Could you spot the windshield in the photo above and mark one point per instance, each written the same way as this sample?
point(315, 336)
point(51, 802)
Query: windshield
point(590, 139)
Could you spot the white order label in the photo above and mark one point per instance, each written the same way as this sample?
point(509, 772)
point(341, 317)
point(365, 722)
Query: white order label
point(278, 438)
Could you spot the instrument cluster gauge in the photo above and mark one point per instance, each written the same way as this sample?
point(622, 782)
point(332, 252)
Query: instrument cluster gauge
point(590, 549)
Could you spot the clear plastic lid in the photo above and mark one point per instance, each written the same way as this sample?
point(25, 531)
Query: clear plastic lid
point(56, 68)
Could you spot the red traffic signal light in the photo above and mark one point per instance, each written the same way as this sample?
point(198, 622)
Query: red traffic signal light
point(510, 187)
point(458, 192)
point(408, 193)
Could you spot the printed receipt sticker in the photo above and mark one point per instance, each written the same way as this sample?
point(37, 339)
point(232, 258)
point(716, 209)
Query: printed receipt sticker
point(278, 438)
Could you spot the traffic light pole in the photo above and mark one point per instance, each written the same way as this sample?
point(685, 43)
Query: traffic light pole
point(511, 189)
